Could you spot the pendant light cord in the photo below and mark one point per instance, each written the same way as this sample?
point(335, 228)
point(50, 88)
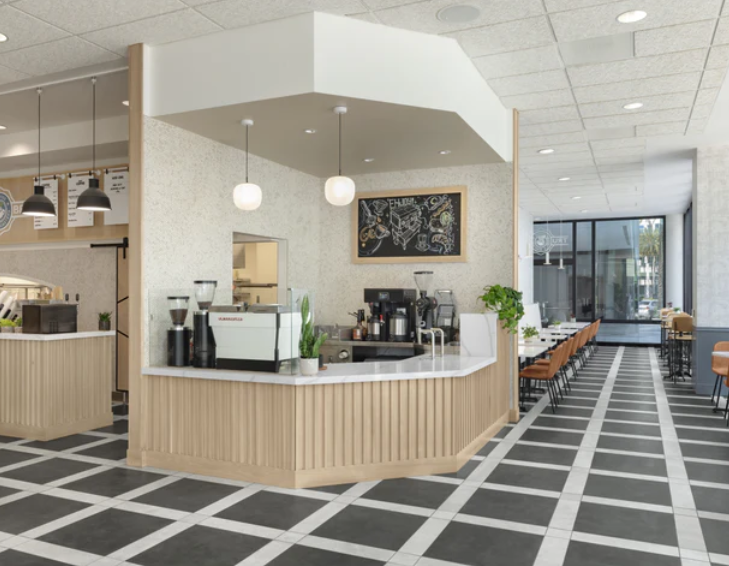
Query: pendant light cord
point(93, 114)
point(340, 145)
point(39, 91)
point(247, 157)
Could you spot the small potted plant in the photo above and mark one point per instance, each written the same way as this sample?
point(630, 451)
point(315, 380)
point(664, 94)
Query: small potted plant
point(530, 334)
point(309, 344)
point(507, 303)
point(573, 318)
point(19, 325)
point(7, 326)
point(104, 321)
point(556, 323)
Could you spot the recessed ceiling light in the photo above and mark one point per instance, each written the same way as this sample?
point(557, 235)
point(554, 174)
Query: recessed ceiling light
point(576, 198)
point(458, 14)
point(444, 151)
point(564, 179)
point(309, 131)
point(125, 102)
point(583, 211)
point(633, 106)
point(3, 38)
point(3, 127)
point(368, 159)
point(632, 16)
point(546, 151)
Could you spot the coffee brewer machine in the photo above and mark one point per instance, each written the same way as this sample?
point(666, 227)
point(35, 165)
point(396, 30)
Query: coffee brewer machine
point(178, 337)
point(425, 305)
point(392, 313)
point(203, 355)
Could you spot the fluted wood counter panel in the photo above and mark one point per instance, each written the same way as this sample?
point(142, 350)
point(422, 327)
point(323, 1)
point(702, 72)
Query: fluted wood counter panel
point(50, 389)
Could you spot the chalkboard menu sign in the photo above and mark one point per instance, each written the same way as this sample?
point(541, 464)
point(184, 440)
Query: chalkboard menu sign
point(410, 226)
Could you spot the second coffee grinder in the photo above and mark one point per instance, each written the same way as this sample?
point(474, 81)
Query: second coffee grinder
point(203, 348)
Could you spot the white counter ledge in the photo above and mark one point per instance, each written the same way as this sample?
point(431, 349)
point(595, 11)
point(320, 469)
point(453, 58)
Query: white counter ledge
point(50, 337)
point(421, 367)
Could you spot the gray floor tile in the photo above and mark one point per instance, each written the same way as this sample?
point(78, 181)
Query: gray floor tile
point(571, 400)
point(117, 427)
point(543, 454)
point(715, 536)
point(619, 396)
point(187, 495)
point(64, 443)
point(17, 558)
point(628, 416)
point(516, 507)
point(482, 546)
point(637, 429)
point(527, 476)
point(275, 510)
point(630, 444)
point(417, 493)
point(556, 422)
point(704, 451)
point(713, 422)
point(464, 470)
point(304, 556)
point(629, 464)
point(48, 471)
point(707, 472)
point(718, 435)
point(584, 554)
point(627, 406)
point(115, 450)
point(114, 482)
point(573, 411)
point(24, 514)
point(8, 457)
point(339, 489)
point(488, 447)
point(641, 491)
point(710, 499)
point(693, 410)
point(553, 437)
point(632, 524)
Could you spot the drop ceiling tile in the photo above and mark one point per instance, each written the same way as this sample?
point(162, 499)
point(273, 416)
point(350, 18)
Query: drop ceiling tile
point(559, 148)
point(534, 82)
point(238, 13)
point(661, 129)
point(713, 78)
point(382, 4)
point(501, 38)
point(638, 118)
point(618, 151)
point(718, 57)
point(56, 56)
point(611, 133)
point(639, 68)
point(707, 96)
point(153, 31)
point(558, 165)
point(602, 145)
point(197, 2)
point(722, 32)
point(535, 101)
point(553, 140)
point(422, 16)
point(519, 62)
point(697, 125)
point(618, 160)
point(365, 17)
point(8, 75)
point(550, 128)
point(650, 104)
point(597, 21)
point(598, 49)
point(543, 115)
point(701, 111)
point(530, 158)
point(674, 38)
point(24, 30)
point(638, 88)
point(81, 16)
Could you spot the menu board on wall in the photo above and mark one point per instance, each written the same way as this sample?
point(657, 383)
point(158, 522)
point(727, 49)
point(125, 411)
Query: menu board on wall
point(50, 189)
point(78, 218)
point(116, 187)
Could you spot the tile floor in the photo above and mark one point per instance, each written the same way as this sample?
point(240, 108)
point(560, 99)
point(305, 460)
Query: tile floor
point(631, 471)
point(624, 333)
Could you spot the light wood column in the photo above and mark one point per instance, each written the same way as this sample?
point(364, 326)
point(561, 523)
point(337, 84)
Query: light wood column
point(136, 273)
point(514, 410)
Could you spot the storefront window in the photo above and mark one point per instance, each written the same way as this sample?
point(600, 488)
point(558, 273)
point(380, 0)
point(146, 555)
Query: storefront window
point(553, 287)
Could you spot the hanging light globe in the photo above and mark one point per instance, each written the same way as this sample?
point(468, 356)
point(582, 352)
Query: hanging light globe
point(247, 196)
point(339, 190)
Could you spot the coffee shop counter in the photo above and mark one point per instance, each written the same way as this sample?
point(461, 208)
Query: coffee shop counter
point(54, 385)
point(350, 423)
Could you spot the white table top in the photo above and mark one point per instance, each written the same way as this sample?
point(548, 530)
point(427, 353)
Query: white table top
point(420, 367)
point(572, 325)
point(50, 337)
point(532, 350)
point(720, 354)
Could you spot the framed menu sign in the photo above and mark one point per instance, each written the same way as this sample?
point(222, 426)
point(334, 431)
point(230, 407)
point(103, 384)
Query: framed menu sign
point(77, 184)
point(50, 189)
point(410, 226)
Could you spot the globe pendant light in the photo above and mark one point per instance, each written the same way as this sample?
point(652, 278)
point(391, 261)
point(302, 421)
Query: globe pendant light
point(247, 196)
point(339, 190)
point(93, 198)
point(38, 204)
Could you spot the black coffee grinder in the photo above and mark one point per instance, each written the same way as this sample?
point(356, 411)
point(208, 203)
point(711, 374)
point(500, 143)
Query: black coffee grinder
point(426, 305)
point(203, 355)
point(178, 337)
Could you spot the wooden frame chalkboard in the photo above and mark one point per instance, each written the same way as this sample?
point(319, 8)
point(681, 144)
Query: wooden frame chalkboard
point(410, 226)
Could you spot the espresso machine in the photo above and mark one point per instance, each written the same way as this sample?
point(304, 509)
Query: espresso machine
point(425, 305)
point(178, 337)
point(392, 314)
point(203, 348)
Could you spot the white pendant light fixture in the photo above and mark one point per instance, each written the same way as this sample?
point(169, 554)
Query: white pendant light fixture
point(93, 198)
point(247, 196)
point(38, 204)
point(549, 245)
point(339, 190)
point(561, 260)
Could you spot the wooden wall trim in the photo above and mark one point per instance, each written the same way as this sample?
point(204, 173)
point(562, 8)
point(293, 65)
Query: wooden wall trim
point(514, 409)
point(136, 273)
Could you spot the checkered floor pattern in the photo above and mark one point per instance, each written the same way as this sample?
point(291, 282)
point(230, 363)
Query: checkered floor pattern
point(630, 471)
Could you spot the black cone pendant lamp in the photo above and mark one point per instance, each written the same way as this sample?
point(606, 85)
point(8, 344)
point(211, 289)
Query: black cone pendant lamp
point(38, 204)
point(93, 198)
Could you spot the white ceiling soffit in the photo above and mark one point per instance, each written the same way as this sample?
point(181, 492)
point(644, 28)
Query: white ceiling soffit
point(321, 53)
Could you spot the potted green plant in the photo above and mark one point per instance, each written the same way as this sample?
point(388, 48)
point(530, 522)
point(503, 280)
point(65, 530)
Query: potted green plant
point(7, 325)
point(530, 334)
point(309, 343)
point(556, 323)
point(104, 321)
point(19, 325)
point(506, 302)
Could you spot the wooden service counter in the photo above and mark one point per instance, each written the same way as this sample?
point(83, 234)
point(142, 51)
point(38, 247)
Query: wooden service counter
point(55, 385)
point(350, 423)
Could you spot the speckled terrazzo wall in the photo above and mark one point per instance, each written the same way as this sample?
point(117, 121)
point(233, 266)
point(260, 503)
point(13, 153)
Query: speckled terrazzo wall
point(189, 217)
point(488, 247)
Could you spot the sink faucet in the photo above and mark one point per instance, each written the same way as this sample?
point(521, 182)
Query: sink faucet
point(442, 339)
point(432, 332)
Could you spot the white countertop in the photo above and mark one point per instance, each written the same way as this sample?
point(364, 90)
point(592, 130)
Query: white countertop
point(50, 337)
point(420, 367)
